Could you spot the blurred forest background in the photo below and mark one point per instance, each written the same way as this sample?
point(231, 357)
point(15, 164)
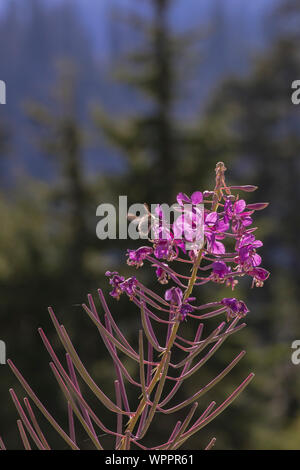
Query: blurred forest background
point(143, 97)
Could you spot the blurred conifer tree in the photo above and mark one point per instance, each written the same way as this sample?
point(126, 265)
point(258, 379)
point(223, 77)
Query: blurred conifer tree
point(264, 125)
point(152, 139)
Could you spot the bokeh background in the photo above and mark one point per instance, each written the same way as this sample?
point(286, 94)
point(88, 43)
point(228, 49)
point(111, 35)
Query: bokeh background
point(142, 98)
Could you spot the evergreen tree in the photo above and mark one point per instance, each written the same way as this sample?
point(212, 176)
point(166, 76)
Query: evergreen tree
point(72, 196)
point(264, 125)
point(152, 140)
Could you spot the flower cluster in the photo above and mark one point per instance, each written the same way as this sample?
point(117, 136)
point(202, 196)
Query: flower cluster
point(177, 301)
point(218, 216)
point(235, 308)
point(120, 285)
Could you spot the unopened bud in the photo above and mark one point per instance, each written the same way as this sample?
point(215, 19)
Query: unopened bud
point(258, 206)
point(248, 188)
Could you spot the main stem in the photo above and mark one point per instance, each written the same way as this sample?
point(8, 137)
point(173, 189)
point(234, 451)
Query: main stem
point(170, 343)
point(220, 169)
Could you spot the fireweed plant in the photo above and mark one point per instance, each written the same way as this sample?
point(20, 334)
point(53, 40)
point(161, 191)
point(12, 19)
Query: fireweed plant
point(227, 220)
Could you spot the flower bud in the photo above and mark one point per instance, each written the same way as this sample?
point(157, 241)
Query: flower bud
point(247, 188)
point(258, 206)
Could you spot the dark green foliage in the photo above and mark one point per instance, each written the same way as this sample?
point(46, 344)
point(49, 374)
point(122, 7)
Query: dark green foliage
point(49, 253)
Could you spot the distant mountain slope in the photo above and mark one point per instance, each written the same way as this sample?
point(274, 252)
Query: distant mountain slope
point(34, 33)
point(185, 14)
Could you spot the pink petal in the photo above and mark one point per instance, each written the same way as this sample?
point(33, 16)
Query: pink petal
point(239, 206)
point(256, 259)
point(211, 218)
point(197, 197)
point(257, 244)
point(181, 198)
point(218, 248)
